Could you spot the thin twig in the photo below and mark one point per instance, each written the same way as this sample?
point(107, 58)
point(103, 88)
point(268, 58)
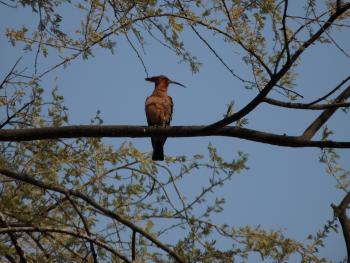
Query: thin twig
point(330, 37)
point(86, 227)
point(133, 246)
point(102, 15)
point(8, 5)
point(16, 229)
point(331, 92)
point(284, 28)
point(14, 241)
point(293, 37)
point(8, 120)
point(250, 51)
point(10, 73)
point(211, 48)
point(137, 53)
point(37, 242)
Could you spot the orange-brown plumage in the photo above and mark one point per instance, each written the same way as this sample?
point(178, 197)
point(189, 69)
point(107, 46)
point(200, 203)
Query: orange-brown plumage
point(159, 111)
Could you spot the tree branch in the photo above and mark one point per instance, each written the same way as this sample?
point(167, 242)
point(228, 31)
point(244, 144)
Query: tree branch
point(45, 185)
point(27, 229)
point(274, 80)
point(10, 73)
point(10, 258)
point(324, 116)
point(115, 131)
point(133, 246)
point(284, 28)
point(86, 226)
point(331, 92)
point(39, 245)
point(14, 241)
point(9, 118)
point(8, 5)
point(247, 49)
point(305, 106)
point(340, 213)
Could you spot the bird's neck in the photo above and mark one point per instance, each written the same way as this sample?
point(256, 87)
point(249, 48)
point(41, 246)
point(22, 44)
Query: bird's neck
point(160, 90)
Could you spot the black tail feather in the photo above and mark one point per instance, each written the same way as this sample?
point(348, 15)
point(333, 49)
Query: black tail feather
point(158, 151)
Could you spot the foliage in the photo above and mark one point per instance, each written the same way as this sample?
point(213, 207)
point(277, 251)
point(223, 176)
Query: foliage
point(125, 181)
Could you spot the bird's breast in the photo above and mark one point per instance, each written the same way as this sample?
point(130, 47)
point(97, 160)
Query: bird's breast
point(159, 110)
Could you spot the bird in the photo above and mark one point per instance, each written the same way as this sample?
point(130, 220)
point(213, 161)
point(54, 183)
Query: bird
point(159, 110)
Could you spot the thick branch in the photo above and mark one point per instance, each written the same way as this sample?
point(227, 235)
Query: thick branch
point(45, 185)
point(274, 80)
point(174, 131)
point(340, 212)
point(324, 116)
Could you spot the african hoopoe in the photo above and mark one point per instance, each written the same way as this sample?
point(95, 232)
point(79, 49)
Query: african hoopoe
point(159, 111)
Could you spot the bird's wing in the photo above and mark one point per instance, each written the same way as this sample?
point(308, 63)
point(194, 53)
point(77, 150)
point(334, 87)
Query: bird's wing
point(171, 110)
point(147, 110)
point(154, 109)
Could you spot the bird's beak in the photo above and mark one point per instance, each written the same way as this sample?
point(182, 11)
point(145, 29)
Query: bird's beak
point(152, 79)
point(177, 83)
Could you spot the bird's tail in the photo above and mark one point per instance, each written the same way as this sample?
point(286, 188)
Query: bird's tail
point(158, 151)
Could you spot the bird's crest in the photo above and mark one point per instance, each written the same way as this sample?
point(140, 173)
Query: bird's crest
point(162, 78)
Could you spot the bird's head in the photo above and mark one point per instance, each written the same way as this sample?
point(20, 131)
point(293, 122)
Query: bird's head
point(163, 80)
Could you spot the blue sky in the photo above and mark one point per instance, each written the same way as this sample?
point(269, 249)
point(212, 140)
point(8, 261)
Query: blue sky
point(284, 188)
